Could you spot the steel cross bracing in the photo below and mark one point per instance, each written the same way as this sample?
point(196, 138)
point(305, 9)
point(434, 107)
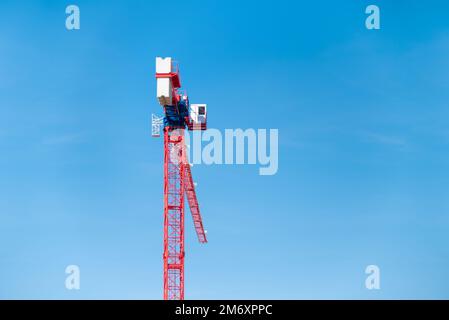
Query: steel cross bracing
point(193, 204)
point(177, 182)
point(173, 215)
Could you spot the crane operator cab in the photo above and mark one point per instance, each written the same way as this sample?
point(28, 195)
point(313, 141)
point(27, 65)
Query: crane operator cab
point(198, 117)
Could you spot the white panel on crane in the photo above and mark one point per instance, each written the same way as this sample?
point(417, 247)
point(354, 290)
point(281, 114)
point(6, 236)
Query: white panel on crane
point(164, 91)
point(164, 85)
point(163, 65)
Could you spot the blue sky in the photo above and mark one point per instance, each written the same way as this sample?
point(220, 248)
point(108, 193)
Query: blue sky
point(363, 144)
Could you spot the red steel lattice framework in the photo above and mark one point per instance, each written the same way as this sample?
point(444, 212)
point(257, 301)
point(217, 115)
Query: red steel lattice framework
point(173, 215)
point(177, 181)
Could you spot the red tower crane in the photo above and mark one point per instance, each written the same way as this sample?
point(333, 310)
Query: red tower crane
point(178, 182)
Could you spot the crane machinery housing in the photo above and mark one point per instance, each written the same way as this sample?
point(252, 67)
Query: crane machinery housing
point(179, 114)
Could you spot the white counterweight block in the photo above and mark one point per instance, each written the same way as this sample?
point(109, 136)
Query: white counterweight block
point(164, 85)
point(164, 91)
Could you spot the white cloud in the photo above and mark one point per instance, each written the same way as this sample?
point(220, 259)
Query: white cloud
point(62, 139)
point(385, 139)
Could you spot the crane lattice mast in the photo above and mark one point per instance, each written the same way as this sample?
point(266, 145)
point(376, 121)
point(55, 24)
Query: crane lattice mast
point(178, 182)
